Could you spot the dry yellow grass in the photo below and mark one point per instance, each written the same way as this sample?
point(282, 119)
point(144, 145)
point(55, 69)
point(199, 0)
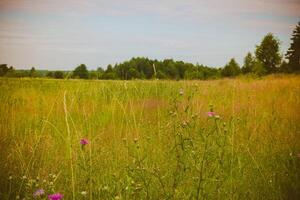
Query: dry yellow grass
point(149, 142)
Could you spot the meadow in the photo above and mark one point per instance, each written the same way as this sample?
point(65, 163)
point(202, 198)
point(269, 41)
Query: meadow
point(218, 139)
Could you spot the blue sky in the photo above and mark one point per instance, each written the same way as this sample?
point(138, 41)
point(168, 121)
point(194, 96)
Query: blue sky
point(55, 34)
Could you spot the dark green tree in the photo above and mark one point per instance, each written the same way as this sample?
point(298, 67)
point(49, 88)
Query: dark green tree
point(109, 69)
point(231, 69)
point(49, 74)
point(100, 72)
point(194, 73)
point(144, 66)
point(11, 72)
point(258, 68)
point(32, 72)
point(170, 69)
point(93, 74)
point(133, 73)
point(81, 72)
point(109, 73)
point(293, 53)
point(99, 69)
point(249, 61)
point(268, 53)
point(58, 75)
point(284, 67)
point(160, 75)
point(3, 69)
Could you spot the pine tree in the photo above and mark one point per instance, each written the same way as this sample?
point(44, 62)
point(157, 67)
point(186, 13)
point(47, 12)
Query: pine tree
point(293, 54)
point(248, 63)
point(231, 69)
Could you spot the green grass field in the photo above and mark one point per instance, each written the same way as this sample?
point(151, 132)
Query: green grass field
point(151, 139)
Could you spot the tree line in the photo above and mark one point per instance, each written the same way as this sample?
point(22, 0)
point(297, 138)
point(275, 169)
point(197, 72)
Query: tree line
point(266, 59)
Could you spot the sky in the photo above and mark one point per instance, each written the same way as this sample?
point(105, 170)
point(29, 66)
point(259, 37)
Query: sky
point(61, 34)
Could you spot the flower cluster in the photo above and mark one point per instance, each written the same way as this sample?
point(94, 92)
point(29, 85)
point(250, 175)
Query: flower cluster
point(38, 193)
point(56, 196)
point(84, 142)
point(213, 114)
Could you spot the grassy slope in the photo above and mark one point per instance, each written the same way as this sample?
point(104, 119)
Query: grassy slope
point(149, 142)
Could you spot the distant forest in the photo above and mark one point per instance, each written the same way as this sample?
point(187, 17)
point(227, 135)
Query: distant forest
point(266, 59)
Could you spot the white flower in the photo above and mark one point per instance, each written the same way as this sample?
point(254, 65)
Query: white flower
point(181, 92)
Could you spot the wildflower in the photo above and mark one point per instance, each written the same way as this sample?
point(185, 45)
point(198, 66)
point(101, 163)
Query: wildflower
point(56, 196)
point(181, 92)
point(105, 188)
point(211, 114)
point(184, 123)
point(38, 193)
point(83, 193)
point(84, 141)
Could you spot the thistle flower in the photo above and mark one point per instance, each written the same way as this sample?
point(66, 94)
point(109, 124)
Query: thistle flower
point(38, 193)
point(56, 196)
point(84, 141)
point(211, 114)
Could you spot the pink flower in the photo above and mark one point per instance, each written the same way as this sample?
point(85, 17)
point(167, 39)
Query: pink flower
point(56, 196)
point(38, 193)
point(211, 114)
point(84, 141)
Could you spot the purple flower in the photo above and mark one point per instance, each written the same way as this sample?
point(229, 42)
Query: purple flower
point(211, 114)
point(84, 141)
point(38, 193)
point(56, 196)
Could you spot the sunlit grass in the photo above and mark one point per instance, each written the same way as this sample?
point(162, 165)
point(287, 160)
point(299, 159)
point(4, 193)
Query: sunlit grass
point(150, 139)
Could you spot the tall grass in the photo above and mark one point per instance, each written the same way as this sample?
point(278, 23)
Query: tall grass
point(151, 139)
